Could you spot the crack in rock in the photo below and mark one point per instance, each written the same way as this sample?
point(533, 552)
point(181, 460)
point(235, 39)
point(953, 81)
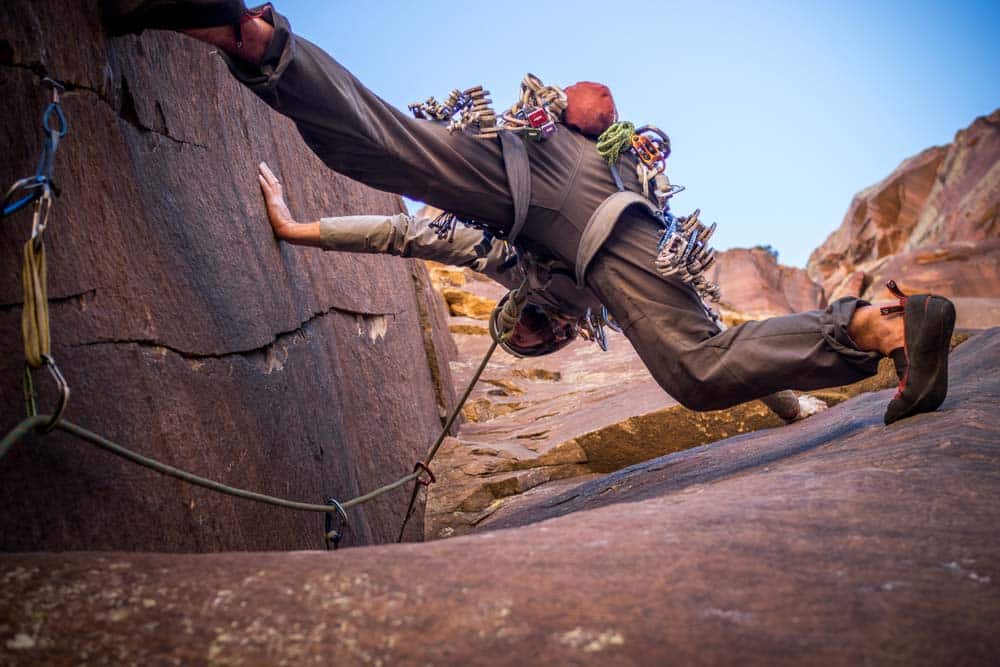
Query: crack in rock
point(126, 112)
point(78, 297)
point(268, 350)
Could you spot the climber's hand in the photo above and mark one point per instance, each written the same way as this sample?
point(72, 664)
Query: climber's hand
point(277, 211)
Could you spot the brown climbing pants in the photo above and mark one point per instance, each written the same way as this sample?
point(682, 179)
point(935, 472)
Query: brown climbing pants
point(359, 135)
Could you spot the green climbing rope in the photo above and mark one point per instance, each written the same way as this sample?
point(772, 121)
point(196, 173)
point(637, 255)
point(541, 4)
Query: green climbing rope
point(614, 140)
point(30, 424)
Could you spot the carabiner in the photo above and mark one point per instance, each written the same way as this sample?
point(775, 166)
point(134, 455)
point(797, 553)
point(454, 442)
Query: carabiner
point(29, 393)
point(334, 534)
point(40, 217)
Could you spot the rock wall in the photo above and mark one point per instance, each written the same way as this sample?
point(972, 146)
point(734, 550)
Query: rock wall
point(837, 540)
point(932, 224)
point(185, 330)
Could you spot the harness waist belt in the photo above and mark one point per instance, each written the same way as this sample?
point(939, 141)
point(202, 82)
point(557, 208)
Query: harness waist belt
point(600, 225)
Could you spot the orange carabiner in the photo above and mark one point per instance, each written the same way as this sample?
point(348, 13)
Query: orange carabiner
point(646, 150)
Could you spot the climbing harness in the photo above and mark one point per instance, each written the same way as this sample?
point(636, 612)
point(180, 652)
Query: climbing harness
point(682, 252)
point(534, 115)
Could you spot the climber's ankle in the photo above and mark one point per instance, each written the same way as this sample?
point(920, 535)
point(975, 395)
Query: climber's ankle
point(870, 331)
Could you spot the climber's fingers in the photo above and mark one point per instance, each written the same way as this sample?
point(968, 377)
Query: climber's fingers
point(268, 178)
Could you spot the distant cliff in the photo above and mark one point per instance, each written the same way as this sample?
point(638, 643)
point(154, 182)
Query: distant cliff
point(932, 225)
point(185, 330)
point(755, 286)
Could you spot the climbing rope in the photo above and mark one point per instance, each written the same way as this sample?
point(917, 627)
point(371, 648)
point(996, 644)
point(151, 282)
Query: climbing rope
point(614, 140)
point(508, 315)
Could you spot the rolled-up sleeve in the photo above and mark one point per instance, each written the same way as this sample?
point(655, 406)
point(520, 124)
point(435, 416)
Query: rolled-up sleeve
point(409, 236)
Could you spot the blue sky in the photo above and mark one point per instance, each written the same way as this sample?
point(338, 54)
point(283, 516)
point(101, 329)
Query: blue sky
point(778, 112)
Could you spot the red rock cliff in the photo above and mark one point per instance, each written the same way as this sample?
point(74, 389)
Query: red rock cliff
point(755, 286)
point(186, 331)
point(932, 225)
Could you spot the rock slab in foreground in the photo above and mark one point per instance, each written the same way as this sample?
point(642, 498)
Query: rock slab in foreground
point(834, 541)
point(185, 330)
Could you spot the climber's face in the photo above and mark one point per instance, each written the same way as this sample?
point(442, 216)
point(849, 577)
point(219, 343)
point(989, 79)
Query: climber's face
point(528, 338)
point(537, 333)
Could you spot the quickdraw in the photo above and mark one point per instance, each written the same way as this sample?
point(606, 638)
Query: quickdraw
point(684, 253)
point(40, 185)
point(35, 328)
point(463, 110)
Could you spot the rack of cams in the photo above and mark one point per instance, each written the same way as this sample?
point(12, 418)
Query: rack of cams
point(533, 116)
point(463, 110)
point(684, 254)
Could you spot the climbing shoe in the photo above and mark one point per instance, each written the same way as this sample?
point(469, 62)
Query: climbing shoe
point(133, 16)
point(922, 364)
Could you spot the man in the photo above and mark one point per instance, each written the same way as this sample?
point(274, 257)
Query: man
point(357, 134)
point(551, 319)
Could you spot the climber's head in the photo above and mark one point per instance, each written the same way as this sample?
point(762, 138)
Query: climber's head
point(590, 109)
point(537, 333)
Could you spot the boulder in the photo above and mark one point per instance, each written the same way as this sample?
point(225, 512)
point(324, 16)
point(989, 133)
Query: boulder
point(837, 540)
point(184, 329)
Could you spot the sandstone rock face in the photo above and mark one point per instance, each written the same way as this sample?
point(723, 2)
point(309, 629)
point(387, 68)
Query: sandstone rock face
point(834, 541)
point(185, 330)
point(932, 224)
point(755, 286)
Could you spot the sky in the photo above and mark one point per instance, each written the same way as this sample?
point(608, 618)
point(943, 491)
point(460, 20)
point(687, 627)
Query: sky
point(778, 112)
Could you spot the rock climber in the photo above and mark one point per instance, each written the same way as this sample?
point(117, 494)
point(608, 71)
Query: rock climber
point(476, 179)
point(551, 319)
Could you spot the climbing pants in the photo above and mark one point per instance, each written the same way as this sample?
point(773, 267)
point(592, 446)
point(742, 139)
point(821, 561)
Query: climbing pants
point(357, 134)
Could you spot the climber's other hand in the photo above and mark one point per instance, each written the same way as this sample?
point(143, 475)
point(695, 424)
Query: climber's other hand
point(274, 199)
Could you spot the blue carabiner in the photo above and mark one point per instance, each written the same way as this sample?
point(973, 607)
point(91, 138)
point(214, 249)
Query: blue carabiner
point(54, 106)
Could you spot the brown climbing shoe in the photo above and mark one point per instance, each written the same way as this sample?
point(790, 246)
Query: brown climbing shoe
point(922, 364)
point(133, 16)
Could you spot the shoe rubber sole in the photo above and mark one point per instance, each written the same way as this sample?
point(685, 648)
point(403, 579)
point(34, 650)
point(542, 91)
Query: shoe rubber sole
point(928, 323)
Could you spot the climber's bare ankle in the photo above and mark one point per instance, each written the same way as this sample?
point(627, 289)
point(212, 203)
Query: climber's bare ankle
point(872, 331)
